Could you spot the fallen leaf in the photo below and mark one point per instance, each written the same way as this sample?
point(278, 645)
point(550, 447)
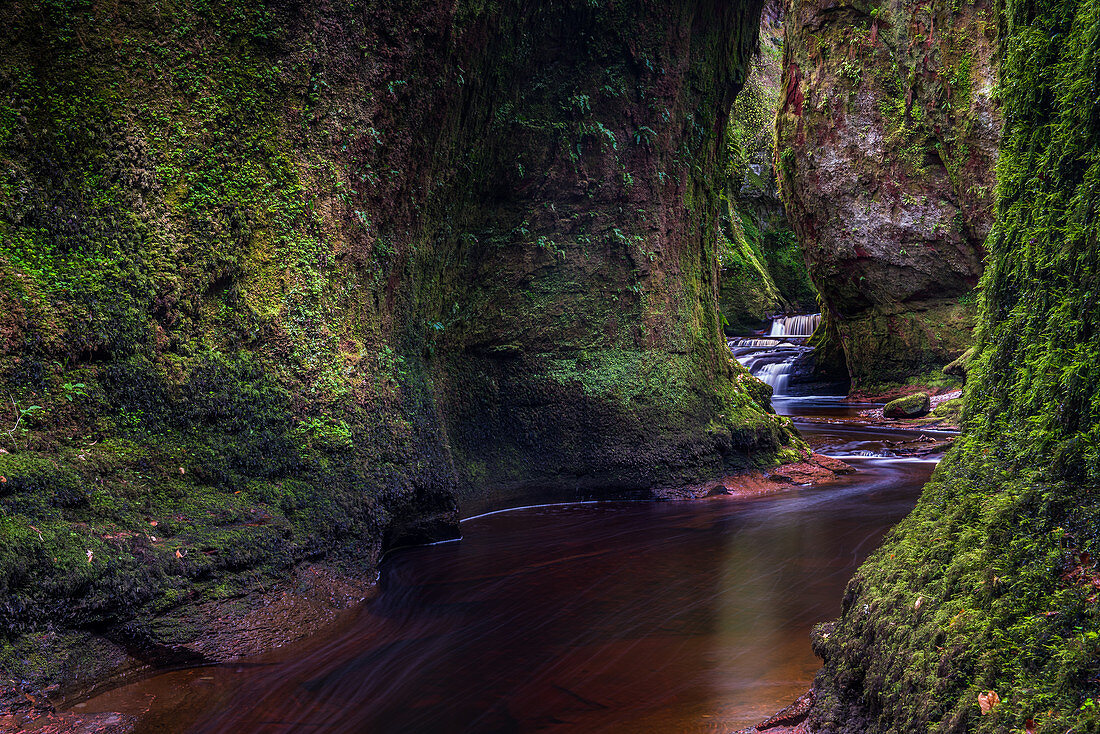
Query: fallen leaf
point(987, 700)
point(89, 556)
point(182, 470)
point(920, 600)
point(179, 555)
point(153, 523)
point(1029, 726)
point(3, 479)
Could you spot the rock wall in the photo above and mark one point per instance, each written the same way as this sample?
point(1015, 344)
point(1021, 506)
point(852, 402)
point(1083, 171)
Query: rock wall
point(979, 613)
point(763, 267)
point(887, 139)
point(289, 284)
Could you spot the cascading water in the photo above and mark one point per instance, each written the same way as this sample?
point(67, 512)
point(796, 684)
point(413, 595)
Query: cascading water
point(801, 326)
point(770, 358)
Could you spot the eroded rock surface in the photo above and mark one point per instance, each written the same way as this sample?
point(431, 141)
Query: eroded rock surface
point(887, 143)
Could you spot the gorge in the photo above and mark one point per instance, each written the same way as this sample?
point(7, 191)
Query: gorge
point(289, 286)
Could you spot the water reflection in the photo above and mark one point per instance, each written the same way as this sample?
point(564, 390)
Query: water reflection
point(641, 617)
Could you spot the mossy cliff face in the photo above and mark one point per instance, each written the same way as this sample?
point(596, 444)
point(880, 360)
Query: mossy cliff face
point(763, 268)
point(887, 143)
point(991, 584)
point(286, 284)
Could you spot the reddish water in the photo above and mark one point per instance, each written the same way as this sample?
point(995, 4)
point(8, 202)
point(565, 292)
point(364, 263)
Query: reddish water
point(612, 617)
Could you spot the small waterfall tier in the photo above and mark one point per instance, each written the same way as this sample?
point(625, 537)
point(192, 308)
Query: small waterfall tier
point(771, 357)
point(790, 327)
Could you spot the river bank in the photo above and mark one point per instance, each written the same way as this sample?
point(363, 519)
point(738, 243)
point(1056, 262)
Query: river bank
point(814, 469)
point(651, 616)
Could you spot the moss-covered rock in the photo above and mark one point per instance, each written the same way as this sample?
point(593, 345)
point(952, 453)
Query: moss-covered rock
point(887, 142)
point(991, 583)
point(916, 405)
point(961, 366)
point(287, 283)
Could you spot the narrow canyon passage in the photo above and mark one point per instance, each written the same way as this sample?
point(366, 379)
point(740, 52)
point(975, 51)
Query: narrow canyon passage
point(599, 617)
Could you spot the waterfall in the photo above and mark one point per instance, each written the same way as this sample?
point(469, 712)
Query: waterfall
point(776, 374)
point(771, 357)
point(795, 326)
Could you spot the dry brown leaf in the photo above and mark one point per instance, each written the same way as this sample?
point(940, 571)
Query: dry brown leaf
point(179, 555)
point(920, 600)
point(1029, 726)
point(987, 701)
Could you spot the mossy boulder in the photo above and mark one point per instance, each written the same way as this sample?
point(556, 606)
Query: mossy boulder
point(911, 406)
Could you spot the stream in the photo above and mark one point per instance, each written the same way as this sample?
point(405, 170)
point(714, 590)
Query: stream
point(689, 616)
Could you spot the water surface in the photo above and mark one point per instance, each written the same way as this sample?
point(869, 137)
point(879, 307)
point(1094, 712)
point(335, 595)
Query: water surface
point(601, 617)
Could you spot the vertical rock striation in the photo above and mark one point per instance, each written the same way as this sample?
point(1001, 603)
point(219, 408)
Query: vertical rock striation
point(887, 142)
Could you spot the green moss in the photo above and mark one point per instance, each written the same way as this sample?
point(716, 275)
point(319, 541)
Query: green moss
point(914, 405)
point(950, 410)
point(312, 300)
point(990, 584)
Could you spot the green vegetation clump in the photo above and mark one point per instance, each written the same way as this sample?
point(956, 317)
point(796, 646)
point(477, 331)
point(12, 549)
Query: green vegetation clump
point(911, 406)
point(949, 410)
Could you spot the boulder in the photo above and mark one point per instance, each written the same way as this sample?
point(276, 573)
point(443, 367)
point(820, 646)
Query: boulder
point(911, 406)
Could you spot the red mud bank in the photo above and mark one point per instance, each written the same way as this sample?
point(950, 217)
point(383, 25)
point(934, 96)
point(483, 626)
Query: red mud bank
point(940, 394)
point(69, 723)
point(873, 416)
point(815, 469)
